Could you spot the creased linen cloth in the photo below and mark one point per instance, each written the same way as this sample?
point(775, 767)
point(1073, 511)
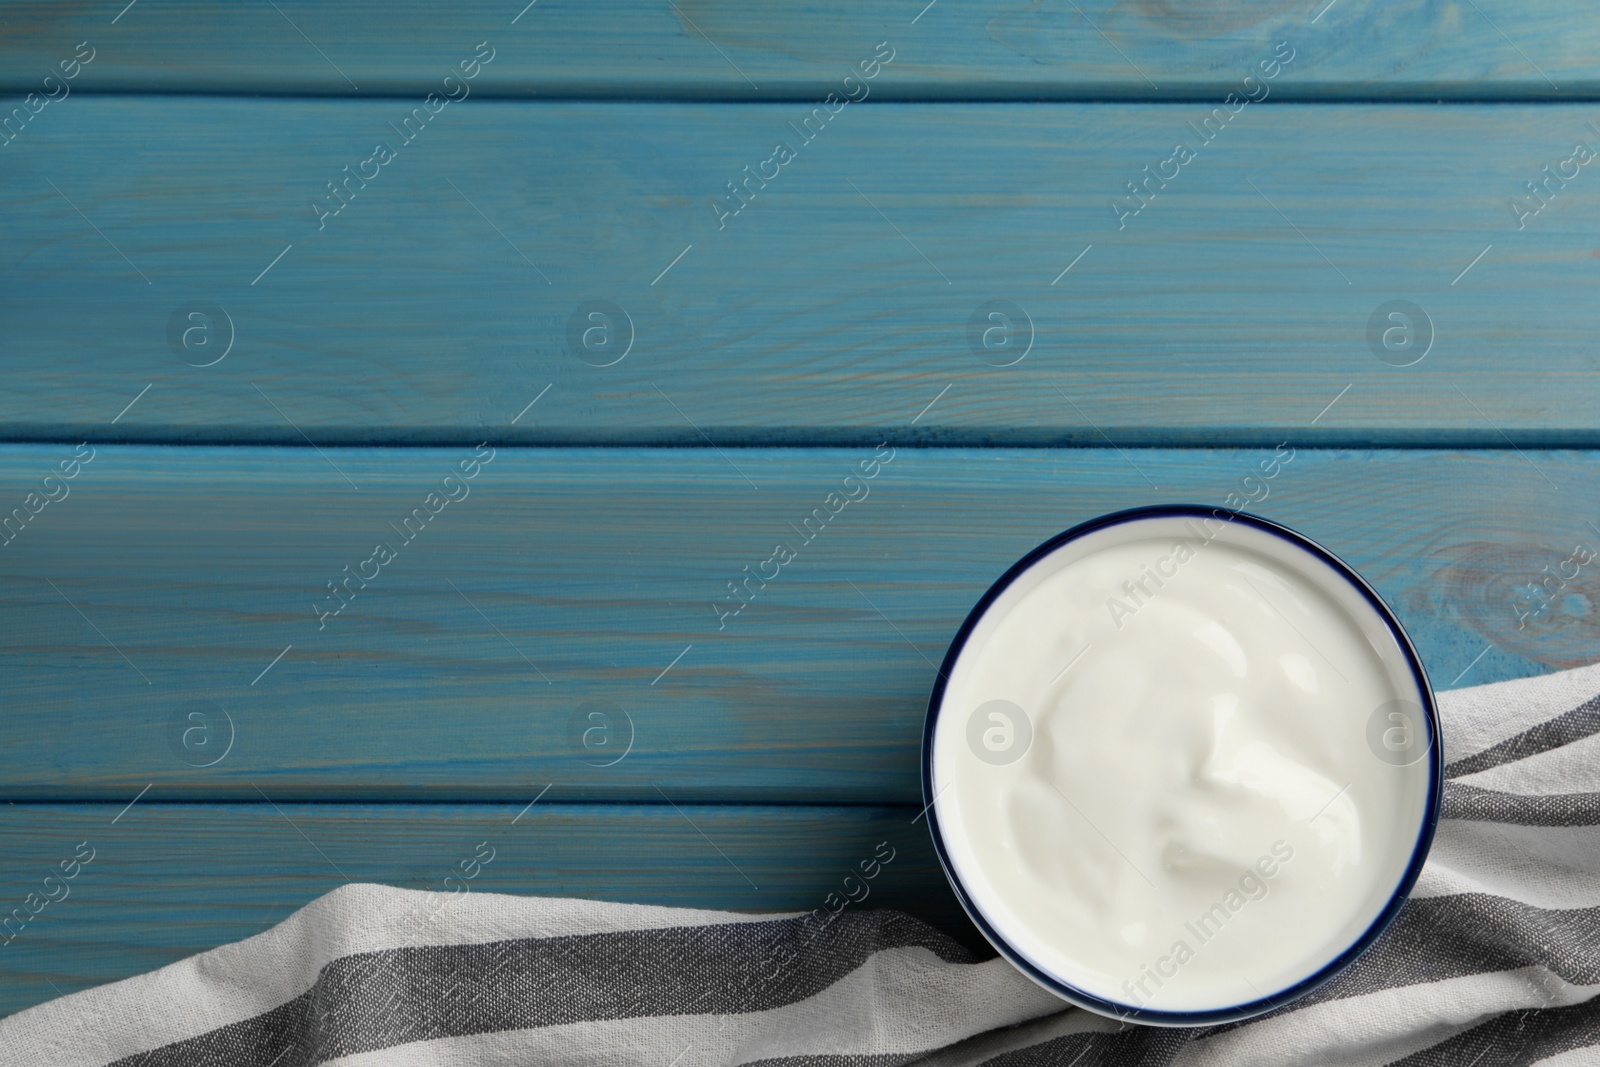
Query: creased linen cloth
point(1494, 960)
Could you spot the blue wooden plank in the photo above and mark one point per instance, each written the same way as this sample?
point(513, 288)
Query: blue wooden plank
point(151, 613)
point(169, 880)
point(517, 246)
point(982, 49)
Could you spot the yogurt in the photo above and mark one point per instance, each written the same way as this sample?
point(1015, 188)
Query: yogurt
point(1181, 765)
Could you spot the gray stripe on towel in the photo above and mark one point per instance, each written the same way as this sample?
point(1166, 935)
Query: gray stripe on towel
point(378, 1000)
point(1582, 721)
point(1462, 801)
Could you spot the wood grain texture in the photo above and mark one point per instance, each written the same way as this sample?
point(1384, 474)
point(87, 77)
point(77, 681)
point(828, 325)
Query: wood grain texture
point(170, 580)
point(170, 880)
point(834, 310)
point(718, 49)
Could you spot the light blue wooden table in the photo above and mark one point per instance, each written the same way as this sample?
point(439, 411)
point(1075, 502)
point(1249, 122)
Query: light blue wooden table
point(362, 504)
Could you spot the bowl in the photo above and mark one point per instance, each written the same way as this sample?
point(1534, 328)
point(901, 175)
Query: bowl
point(1124, 747)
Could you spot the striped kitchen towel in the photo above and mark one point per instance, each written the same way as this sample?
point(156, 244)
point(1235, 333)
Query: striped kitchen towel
point(1495, 960)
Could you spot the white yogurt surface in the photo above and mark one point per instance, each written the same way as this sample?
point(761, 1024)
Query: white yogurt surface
point(1196, 790)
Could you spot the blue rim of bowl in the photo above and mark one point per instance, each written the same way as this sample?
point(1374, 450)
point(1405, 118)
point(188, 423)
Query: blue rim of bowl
point(1419, 852)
